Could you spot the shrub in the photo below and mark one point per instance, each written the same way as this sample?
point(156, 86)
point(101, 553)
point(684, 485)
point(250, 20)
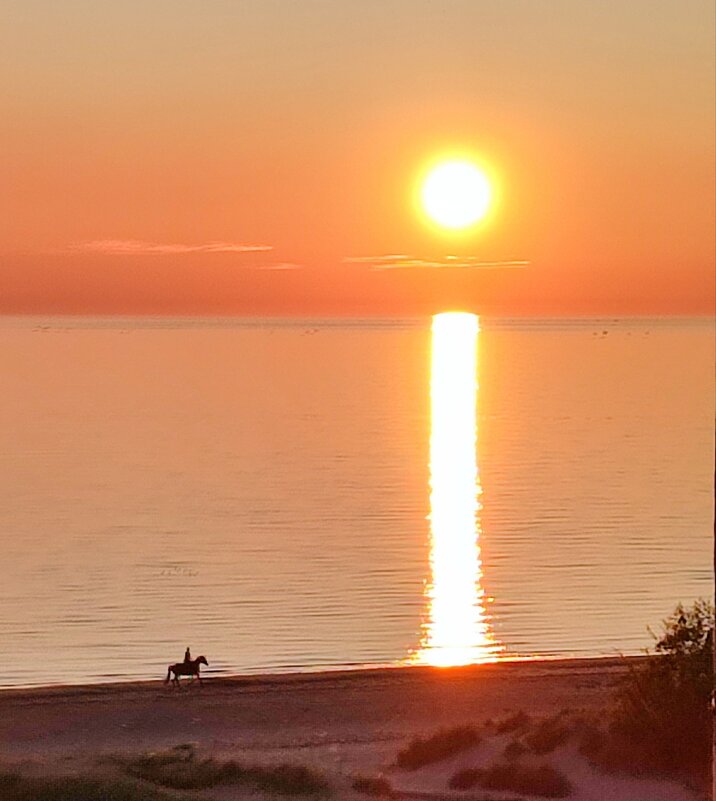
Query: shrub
point(440, 746)
point(180, 769)
point(591, 739)
point(465, 779)
point(661, 721)
point(375, 786)
point(540, 780)
point(15, 787)
point(514, 750)
point(512, 723)
point(288, 780)
point(547, 735)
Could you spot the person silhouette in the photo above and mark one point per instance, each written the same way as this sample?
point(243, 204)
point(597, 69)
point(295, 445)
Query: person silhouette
point(187, 655)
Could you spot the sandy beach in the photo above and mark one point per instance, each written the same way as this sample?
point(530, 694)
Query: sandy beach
point(341, 723)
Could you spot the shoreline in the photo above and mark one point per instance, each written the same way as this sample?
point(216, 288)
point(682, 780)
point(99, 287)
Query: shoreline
point(548, 664)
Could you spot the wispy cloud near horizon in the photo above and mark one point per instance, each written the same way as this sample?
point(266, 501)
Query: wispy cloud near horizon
point(280, 266)
point(404, 262)
point(137, 247)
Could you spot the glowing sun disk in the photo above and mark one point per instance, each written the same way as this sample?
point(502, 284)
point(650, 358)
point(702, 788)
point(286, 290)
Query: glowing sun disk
point(456, 194)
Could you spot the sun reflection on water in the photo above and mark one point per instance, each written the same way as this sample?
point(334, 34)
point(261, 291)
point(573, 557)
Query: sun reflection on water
point(457, 631)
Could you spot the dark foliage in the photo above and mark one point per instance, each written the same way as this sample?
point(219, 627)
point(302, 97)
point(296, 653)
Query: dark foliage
point(547, 735)
point(514, 750)
point(377, 787)
point(661, 720)
point(181, 769)
point(517, 722)
point(16, 787)
point(465, 779)
point(288, 780)
point(443, 744)
point(540, 780)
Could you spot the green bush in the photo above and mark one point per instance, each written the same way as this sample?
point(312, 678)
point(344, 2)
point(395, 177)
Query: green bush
point(591, 738)
point(547, 735)
point(377, 787)
point(514, 750)
point(288, 780)
point(16, 787)
point(440, 746)
point(661, 721)
point(181, 769)
point(516, 722)
point(540, 780)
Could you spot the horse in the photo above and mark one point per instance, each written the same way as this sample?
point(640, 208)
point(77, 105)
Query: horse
point(190, 668)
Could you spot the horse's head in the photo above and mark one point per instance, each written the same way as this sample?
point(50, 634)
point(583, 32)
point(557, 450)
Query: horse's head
point(202, 661)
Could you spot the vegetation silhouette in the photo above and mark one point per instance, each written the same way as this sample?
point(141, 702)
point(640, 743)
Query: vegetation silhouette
point(181, 768)
point(660, 721)
point(441, 745)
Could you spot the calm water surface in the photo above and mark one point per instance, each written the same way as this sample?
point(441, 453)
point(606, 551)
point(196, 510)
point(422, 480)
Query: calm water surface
point(261, 491)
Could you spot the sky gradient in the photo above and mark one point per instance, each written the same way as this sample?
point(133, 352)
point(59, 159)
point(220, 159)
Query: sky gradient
point(261, 157)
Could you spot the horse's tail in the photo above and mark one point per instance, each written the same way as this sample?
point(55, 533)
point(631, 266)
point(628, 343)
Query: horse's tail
point(169, 670)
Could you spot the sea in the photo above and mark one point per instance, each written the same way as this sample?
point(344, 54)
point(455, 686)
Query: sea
point(321, 494)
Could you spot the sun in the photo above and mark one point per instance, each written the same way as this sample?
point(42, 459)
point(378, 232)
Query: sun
point(456, 194)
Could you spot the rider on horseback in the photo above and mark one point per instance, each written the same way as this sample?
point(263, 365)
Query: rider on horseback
point(189, 667)
point(187, 655)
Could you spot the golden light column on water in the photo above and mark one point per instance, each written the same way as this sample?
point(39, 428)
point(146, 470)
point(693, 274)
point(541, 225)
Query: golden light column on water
point(457, 631)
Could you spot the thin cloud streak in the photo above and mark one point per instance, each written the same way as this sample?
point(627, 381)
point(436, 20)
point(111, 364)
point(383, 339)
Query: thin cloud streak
point(375, 259)
point(403, 262)
point(280, 266)
point(136, 247)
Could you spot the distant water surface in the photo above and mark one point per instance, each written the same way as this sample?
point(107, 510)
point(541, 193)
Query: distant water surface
point(260, 490)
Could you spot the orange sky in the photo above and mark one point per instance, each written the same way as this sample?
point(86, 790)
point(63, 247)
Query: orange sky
point(135, 135)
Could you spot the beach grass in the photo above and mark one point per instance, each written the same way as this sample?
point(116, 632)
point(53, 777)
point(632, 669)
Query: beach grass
point(180, 768)
point(514, 750)
point(515, 722)
point(375, 786)
point(441, 745)
point(548, 734)
point(542, 780)
point(16, 787)
point(660, 721)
